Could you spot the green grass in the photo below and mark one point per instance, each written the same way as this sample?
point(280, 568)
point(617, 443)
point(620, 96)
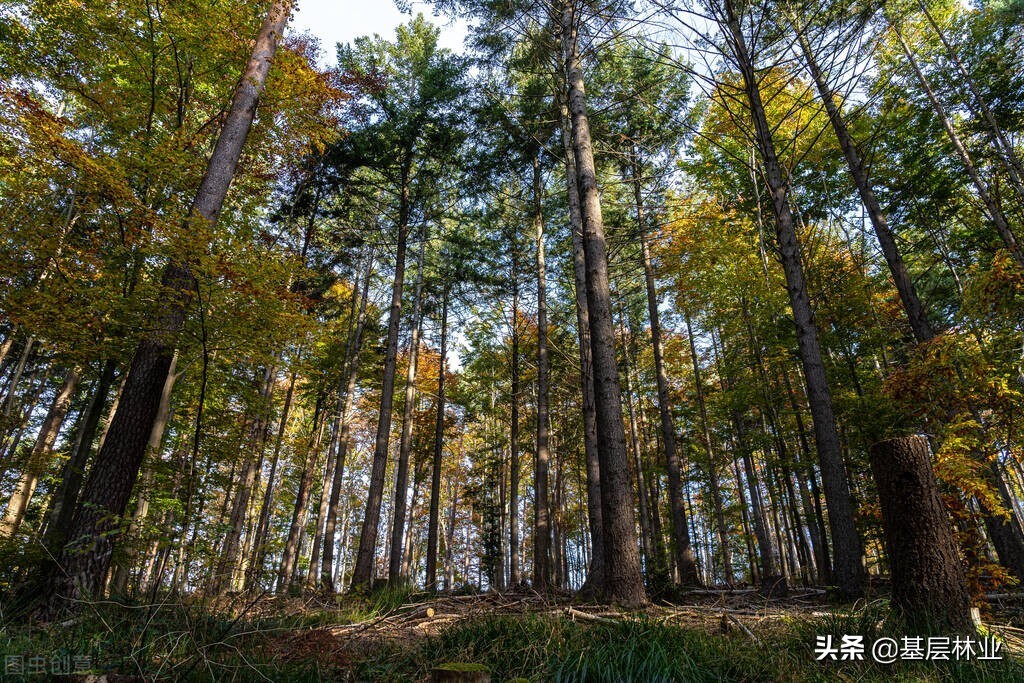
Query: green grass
point(196, 644)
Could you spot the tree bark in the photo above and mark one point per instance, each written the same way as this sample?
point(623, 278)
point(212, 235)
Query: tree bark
point(928, 581)
point(848, 571)
point(435, 476)
point(594, 582)
point(363, 572)
point(623, 577)
point(344, 427)
point(681, 549)
point(912, 305)
point(541, 506)
point(405, 443)
point(995, 213)
point(86, 559)
point(40, 457)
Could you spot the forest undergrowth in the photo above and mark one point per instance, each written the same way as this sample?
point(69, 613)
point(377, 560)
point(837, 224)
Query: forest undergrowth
point(400, 635)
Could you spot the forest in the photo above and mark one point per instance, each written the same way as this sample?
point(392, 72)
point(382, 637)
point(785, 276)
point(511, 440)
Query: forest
point(640, 340)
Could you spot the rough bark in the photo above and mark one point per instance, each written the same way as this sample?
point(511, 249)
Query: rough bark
point(928, 581)
point(594, 582)
point(623, 578)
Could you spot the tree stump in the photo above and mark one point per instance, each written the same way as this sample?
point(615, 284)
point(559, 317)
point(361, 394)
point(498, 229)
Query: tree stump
point(459, 672)
point(928, 580)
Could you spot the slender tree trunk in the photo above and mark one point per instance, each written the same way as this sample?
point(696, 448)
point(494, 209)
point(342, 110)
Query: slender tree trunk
point(886, 239)
point(62, 505)
point(680, 535)
point(363, 572)
point(623, 577)
point(541, 507)
point(1005, 149)
point(713, 480)
point(291, 546)
point(109, 487)
point(253, 462)
point(344, 427)
point(513, 498)
point(848, 572)
point(594, 582)
point(259, 551)
point(435, 476)
point(995, 214)
point(40, 457)
point(405, 444)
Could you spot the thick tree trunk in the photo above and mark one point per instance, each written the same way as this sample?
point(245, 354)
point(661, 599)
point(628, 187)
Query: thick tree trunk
point(119, 579)
point(848, 572)
point(39, 459)
point(541, 507)
point(84, 563)
point(928, 581)
point(594, 582)
point(435, 475)
point(623, 577)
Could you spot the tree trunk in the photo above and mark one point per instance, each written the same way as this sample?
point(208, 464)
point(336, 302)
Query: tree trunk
point(848, 572)
point(513, 498)
point(363, 572)
point(344, 426)
point(435, 476)
point(39, 459)
point(541, 507)
point(623, 577)
point(106, 494)
point(915, 311)
point(680, 534)
point(713, 480)
point(928, 581)
point(119, 580)
point(62, 504)
point(291, 546)
point(405, 444)
point(594, 582)
point(255, 571)
point(995, 214)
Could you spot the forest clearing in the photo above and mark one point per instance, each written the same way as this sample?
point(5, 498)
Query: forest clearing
point(631, 340)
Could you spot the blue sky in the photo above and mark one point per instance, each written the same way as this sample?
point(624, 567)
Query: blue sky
point(334, 21)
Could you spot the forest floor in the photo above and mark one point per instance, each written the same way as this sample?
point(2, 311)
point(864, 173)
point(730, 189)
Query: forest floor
point(734, 635)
